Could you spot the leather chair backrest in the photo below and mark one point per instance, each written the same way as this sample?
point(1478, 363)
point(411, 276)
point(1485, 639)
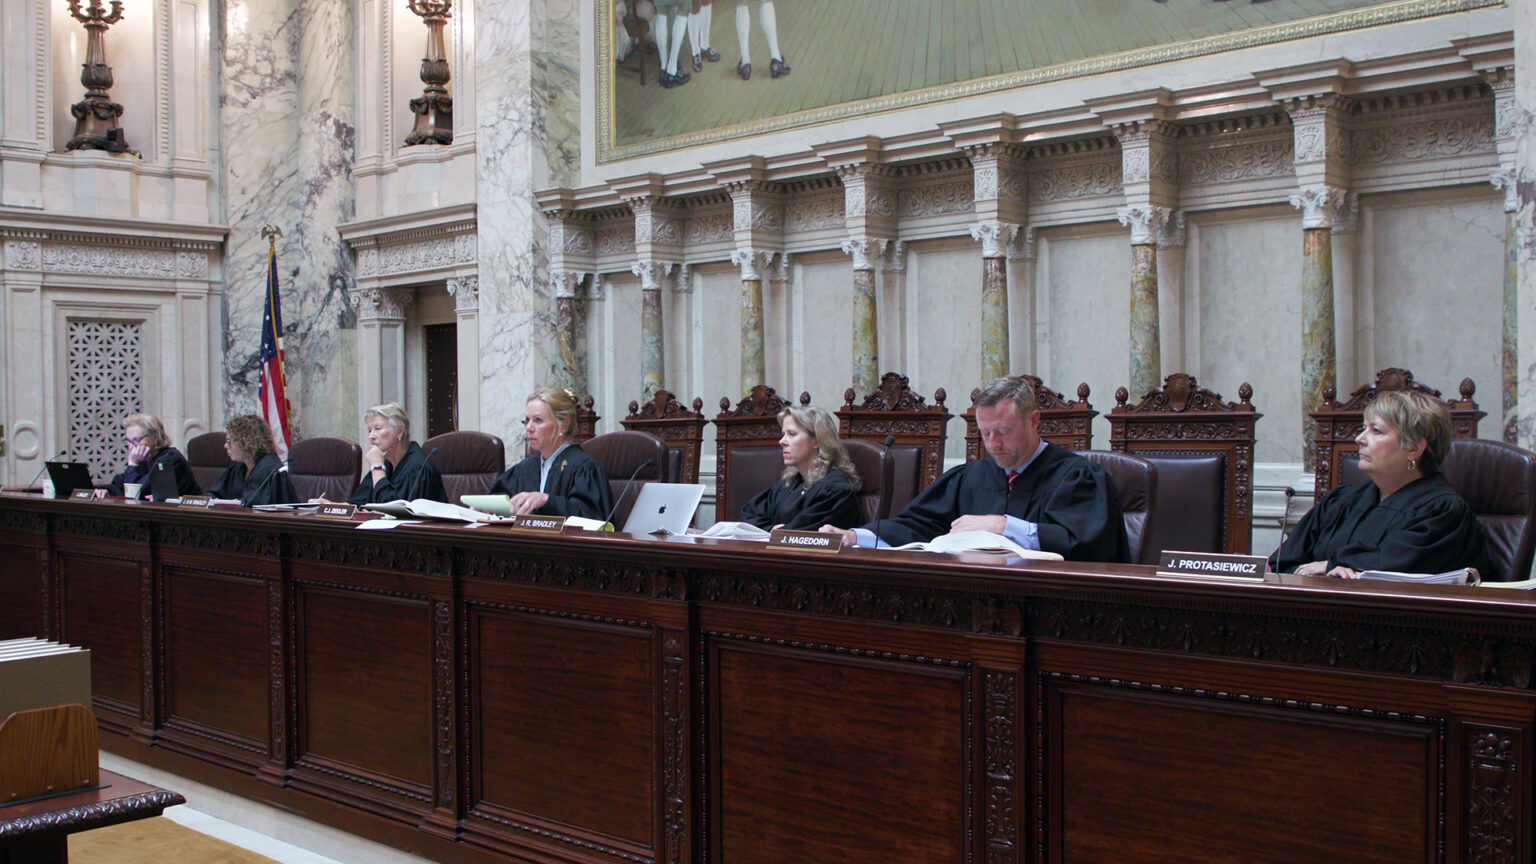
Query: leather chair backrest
point(1348, 472)
point(1498, 481)
point(906, 476)
point(622, 454)
point(874, 467)
point(469, 462)
point(1135, 480)
point(325, 468)
point(207, 458)
point(753, 468)
point(1188, 511)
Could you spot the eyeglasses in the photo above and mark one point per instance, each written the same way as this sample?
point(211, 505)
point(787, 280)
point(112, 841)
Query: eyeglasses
point(133, 440)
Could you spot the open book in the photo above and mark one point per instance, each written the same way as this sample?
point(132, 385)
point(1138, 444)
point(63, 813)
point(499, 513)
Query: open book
point(733, 531)
point(979, 541)
point(422, 508)
point(1464, 576)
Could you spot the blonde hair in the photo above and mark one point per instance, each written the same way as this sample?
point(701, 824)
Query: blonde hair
point(393, 414)
point(830, 453)
point(562, 404)
point(251, 435)
point(1416, 417)
point(151, 425)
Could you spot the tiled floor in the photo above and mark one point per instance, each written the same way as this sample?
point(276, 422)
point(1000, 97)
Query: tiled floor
point(257, 827)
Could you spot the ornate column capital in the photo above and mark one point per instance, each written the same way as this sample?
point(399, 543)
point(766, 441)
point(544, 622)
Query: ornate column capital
point(864, 250)
point(1025, 245)
point(382, 304)
point(896, 257)
point(783, 270)
point(1320, 206)
point(1320, 150)
point(465, 291)
point(1145, 222)
point(565, 282)
point(994, 237)
point(1172, 233)
point(752, 261)
point(652, 273)
point(595, 287)
point(1505, 180)
point(684, 282)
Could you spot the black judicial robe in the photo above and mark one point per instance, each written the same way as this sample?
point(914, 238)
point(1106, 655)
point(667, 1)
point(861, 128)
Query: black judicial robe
point(268, 483)
point(1072, 501)
point(799, 506)
point(577, 485)
point(186, 484)
point(415, 477)
point(1424, 527)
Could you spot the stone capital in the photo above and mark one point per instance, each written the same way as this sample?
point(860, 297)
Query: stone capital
point(896, 257)
point(1144, 221)
point(565, 282)
point(465, 291)
point(684, 283)
point(1505, 181)
point(994, 237)
point(1172, 234)
point(752, 262)
point(652, 273)
point(1320, 206)
point(1025, 245)
point(595, 287)
point(864, 250)
point(382, 304)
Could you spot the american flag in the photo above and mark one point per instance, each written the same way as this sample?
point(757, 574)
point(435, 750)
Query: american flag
point(274, 395)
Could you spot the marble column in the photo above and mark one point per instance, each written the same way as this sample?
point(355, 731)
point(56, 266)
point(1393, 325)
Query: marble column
point(465, 291)
point(753, 365)
point(381, 345)
point(1318, 370)
point(1505, 180)
point(994, 238)
point(287, 90)
point(568, 370)
point(1146, 354)
point(1170, 293)
point(652, 345)
point(866, 324)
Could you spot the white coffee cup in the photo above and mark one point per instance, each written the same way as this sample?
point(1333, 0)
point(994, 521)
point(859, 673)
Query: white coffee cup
point(131, 490)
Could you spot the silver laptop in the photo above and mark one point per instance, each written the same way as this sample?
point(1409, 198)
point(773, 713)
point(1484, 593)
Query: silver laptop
point(665, 507)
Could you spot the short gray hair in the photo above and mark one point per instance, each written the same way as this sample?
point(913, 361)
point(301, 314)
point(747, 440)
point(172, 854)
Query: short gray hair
point(1009, 388)
point(394, 414)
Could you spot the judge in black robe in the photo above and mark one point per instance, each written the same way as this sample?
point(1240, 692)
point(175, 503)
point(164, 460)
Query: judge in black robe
point(1424, 527)
point(1405, 517)
point(801, 506)
point(414, 477)
point(1056, 501)
point(267, 483)
point(577, 484)
point(150, 448)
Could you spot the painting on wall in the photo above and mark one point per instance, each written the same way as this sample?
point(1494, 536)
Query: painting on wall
point(678, 73)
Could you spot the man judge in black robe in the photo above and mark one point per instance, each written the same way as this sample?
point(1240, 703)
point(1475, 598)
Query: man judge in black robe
point(1036, 494)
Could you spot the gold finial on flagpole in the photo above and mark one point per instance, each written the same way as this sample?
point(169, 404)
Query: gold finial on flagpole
point(270, 233)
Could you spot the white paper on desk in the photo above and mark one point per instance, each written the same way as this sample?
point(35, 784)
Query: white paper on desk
point(1464, 576)
point(386, 524)
point(978, 541)
point(282, 508)
point(733, 531)
point(424, 508)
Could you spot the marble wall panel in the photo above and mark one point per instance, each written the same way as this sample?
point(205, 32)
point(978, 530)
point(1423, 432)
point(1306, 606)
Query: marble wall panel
point(1084, 295)
point(620, 310)
point(1436, 291)
point(944, 344)
point(717, 309)
point(821, 359)
point(288, 123)
point(1244, 321)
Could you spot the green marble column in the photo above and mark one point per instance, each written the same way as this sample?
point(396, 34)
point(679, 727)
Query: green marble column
point(1317, 352)
point(1511, 365)
point(752, 372)
point(652, 357)
point(1146, 353)
point(568, 373)
point(866, 359)
point(994, 317)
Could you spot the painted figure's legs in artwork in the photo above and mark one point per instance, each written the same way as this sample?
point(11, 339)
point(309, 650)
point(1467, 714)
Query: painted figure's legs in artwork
point(671, 27)
point(698, 34)
point(777, 67)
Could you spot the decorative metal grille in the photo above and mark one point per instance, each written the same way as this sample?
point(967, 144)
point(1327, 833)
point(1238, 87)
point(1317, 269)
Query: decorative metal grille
point(106, 382)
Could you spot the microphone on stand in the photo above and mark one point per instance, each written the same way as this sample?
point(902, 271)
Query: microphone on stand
point(625, 491)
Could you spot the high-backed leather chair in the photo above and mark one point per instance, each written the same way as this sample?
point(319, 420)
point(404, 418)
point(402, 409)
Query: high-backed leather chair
point(682, 430)
point(622, 454)
point(1338, 424)
point(1065, 424)
point(469, 462)
point(207, 458)
point(325, 468)
point(1203, 449)
point(747, 455)
point(1498, 481)
point(1136, 482)
point(874, 466)
point(919, 430)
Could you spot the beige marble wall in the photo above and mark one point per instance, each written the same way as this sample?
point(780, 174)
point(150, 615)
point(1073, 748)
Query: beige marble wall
point(1433, 292)
point(1243, 322)
point(821, 349)
point(1085, 307)
point(944, 335)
